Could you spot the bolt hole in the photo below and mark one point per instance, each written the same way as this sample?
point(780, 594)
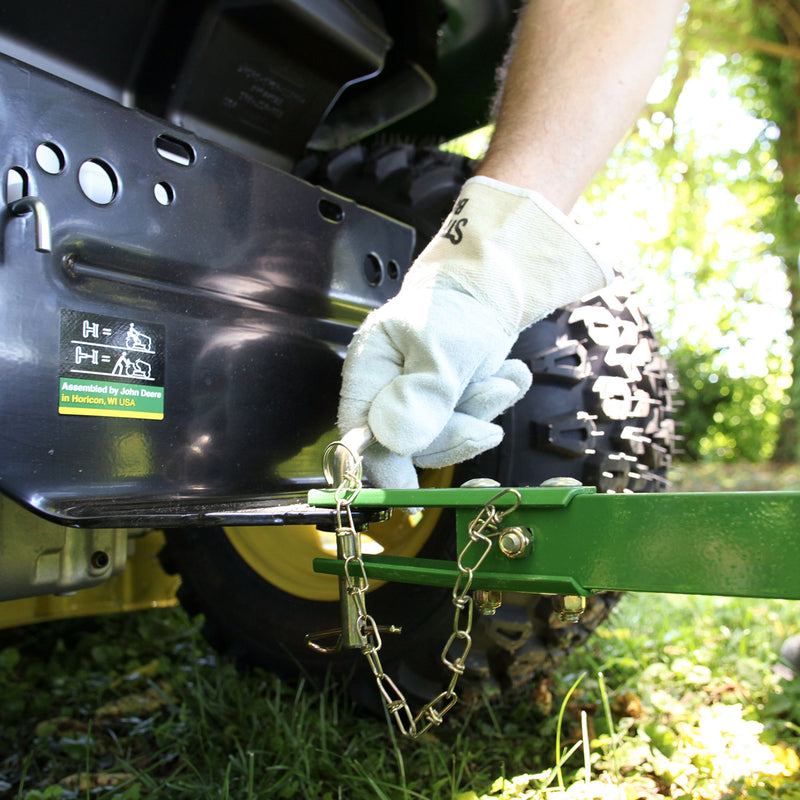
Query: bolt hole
point(99, 559)
point(164, 193)
point(175, 150)
point(373, 269)
point(50, 158)
point(331, 211)
point(16, 184)
point(392, 270)
point(98, 181)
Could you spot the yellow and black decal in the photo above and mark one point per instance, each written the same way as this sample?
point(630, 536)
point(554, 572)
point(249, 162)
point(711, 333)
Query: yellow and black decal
point(111, 367)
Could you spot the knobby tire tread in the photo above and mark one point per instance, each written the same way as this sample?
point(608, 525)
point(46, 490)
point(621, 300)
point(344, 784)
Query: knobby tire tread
point(600, 411)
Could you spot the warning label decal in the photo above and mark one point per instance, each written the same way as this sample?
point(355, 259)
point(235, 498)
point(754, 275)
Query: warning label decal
point(111, 367)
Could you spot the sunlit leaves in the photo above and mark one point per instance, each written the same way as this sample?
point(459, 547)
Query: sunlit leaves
point(701, 184)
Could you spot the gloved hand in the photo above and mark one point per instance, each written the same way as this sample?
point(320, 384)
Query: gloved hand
point(427, 372)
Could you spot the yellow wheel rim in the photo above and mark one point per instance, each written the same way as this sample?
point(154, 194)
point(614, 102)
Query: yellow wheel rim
point(283, 555)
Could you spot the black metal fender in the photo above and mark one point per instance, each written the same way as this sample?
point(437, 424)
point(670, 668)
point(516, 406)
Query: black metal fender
point(209, 296)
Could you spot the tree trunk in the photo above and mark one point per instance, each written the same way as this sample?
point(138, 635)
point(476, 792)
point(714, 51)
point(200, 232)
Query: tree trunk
point(784, 76)
point(787, 445)
point(784, 225)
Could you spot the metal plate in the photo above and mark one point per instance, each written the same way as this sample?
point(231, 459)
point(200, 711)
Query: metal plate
point(249, 281)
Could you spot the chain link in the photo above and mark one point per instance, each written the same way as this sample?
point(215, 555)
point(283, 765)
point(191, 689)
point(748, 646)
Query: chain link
point(481, 533)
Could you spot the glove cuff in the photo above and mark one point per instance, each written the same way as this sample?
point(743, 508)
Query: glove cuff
point(514, 250)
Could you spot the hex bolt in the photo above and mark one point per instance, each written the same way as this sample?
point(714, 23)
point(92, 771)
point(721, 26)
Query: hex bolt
point(488, 601)
point(570, 607)
point(515, 542)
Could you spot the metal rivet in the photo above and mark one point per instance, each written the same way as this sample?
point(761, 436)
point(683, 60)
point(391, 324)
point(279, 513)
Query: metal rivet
point(563, 481)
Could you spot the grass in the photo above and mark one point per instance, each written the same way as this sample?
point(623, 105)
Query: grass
point(140, 705)
point(674, 697)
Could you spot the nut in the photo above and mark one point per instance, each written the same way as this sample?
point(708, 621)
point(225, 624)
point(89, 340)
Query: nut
point(570, 607)
point(488, 601)
point(515, 542)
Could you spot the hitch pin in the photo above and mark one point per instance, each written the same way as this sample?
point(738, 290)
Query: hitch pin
point(315, 640)
point(41, 216)
point(341, 461)
point(342, 469)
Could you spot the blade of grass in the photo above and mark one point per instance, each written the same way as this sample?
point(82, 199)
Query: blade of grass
point(563, 760)
point(587, 766)
point(610, 723)
point(25, 765)
point(558, 728)
point(88, 757)
point(401, 767)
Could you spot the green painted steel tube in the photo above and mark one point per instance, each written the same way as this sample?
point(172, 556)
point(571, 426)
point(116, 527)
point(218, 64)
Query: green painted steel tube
point(737, 544)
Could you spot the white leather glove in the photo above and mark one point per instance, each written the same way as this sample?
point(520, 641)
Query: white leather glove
point(427, 372)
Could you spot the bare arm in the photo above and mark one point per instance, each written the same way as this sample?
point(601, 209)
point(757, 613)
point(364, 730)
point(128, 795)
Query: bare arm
point(428, 372)
point(579, 75)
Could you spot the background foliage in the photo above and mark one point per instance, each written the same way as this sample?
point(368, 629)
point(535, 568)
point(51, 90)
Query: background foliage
point(699, 205)
point(727, 417)
point(703, 194)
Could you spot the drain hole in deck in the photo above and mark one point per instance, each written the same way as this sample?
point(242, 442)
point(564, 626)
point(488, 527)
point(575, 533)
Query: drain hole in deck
point(331, 211)
point(373, 269)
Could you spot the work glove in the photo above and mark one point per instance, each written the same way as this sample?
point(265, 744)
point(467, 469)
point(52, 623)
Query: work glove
point(428, 371)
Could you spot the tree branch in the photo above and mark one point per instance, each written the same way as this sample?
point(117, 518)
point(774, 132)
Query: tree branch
point(777, 49)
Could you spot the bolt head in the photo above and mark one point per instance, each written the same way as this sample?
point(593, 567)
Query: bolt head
point(561, 481)
point(515, 542)
point(480, 483)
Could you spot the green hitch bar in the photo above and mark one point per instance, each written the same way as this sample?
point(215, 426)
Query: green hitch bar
point(573, 541)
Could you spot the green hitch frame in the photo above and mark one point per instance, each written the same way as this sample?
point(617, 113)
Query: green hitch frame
point(744, 544)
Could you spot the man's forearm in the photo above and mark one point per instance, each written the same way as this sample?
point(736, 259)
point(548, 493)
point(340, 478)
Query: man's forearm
point(578, 77)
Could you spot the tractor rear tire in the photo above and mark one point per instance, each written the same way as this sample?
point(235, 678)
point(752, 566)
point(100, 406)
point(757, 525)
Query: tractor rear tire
point(599, 411)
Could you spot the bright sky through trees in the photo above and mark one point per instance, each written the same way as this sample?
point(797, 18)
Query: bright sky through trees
point(694, 208)
point(635, 218)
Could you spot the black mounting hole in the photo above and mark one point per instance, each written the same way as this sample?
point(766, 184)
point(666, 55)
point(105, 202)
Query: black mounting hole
point(175, 150)
point(50, 157)
point(392, 270)
point(373, 269)
point(164, 193)
point(331, 211)
point(98, 181)
point(16, 184)
point(99, 559)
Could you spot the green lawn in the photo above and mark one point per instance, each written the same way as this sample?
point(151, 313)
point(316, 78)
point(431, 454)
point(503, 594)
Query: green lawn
point(141, 705)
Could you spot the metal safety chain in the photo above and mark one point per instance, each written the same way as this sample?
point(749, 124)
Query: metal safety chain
point(481, 533)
